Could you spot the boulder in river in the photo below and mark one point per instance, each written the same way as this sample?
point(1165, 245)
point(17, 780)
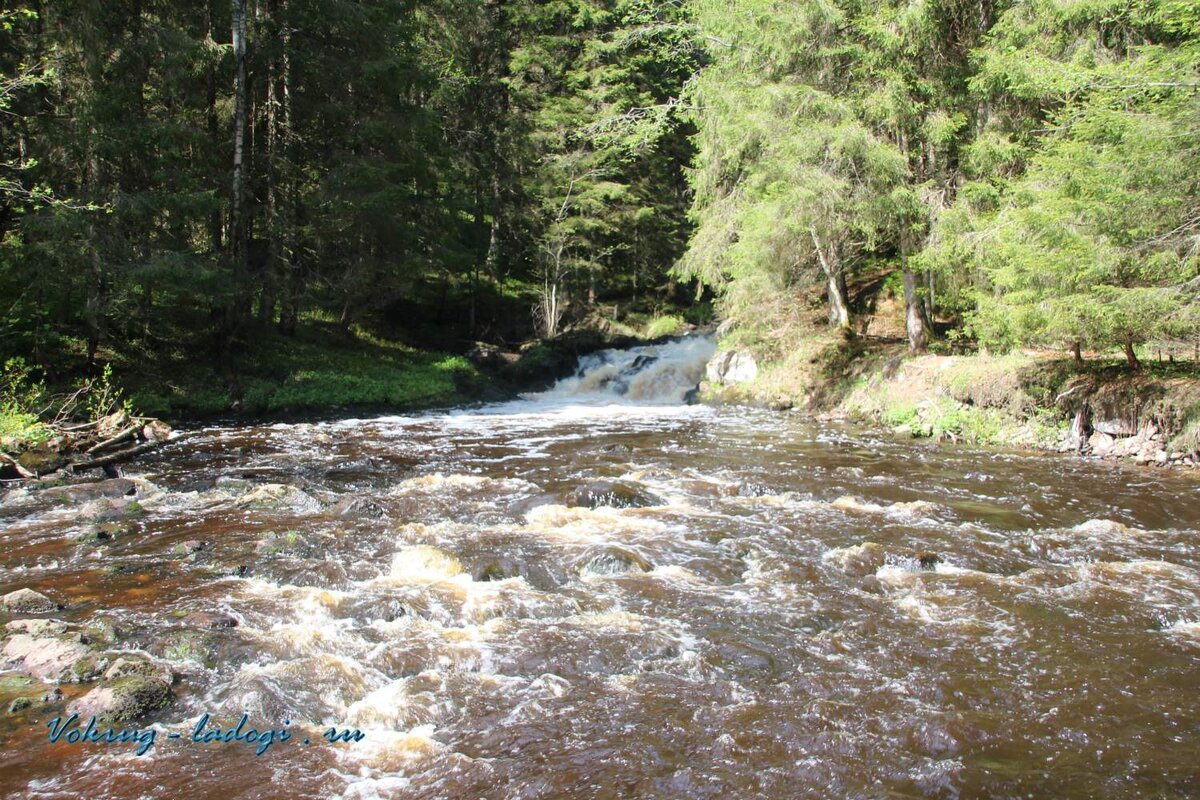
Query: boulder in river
point(27, 601)
point(612, 494)
point(88, 492)
point(358, 507)
point(56, 657)
point(132, 688)
point(110, 509)
point(278, 497)
point(107, 531)
point(732, 366)
point(209, 620)
point(37, 627)
point(613, 560)
point(860, 559)
point(497, 569)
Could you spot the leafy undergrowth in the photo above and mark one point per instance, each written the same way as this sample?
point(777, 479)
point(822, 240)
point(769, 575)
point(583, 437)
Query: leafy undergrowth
point(319, 368)
point(19, 430)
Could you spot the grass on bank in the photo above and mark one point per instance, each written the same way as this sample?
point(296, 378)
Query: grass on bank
point(319, 368)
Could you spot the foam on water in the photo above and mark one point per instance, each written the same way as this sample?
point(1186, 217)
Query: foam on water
point(652, 374)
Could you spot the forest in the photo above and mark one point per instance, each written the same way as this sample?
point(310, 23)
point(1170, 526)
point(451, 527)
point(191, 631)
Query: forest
point(646, 399)
point(190, 192)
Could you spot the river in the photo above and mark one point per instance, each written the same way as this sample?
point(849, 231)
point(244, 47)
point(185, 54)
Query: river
point(603, 592)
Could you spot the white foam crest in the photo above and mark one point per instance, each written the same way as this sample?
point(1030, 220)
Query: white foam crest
point(656, 374)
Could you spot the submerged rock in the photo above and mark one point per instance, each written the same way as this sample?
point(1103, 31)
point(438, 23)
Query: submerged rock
point(88, 492)
point(860, 559)
point(209, 620)
point(498, 569)
point(611, 494)
point(107, 531)
point(112, 509)
point(191, 547)
point(928, 561)
point(19, 692)
point(358, 507)
point(278, 497)
point(613, 560)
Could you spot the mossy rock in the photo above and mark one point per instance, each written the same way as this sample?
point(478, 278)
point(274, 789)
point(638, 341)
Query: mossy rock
point(123, 700)
point(181, 646)
point(19, 693)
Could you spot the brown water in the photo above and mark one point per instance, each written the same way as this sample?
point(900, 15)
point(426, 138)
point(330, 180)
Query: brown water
point(726, 640)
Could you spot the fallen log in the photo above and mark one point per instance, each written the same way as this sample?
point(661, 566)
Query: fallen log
point(114, 440)
point(90, 445)
point(113, 458)
point(24, 473)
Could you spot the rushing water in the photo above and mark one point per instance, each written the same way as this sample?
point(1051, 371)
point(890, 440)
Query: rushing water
point(604, 593)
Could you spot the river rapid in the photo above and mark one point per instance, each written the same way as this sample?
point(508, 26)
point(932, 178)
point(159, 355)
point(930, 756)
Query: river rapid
point(603, 592)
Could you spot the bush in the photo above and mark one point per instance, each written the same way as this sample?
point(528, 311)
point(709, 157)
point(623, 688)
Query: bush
point(668, 325)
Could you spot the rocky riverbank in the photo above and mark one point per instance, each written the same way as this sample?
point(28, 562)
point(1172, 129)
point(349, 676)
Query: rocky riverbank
point(1022, 400)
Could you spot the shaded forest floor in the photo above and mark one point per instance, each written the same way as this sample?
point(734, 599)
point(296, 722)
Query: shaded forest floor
point(320, 368)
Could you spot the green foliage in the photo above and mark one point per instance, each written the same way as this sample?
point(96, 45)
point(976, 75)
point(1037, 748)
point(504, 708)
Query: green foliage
point(895, 416)
point(21, 398)
point(666, 325)
point(1033, 164)
point(1029, 167)
point(1078, 226)
point(313, 371)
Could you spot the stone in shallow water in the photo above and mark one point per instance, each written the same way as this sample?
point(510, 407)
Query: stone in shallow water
point(928, 561)
point(27, 601)
point(37, 627)
point(209, 620)
point(278, 497)
point(126, 698)
point(498, 569)
point(87, 492)
point(611, 494)
point(49, 658)
point(19, 692)
point(613, 560)
point(860, 559)
point(358, 507)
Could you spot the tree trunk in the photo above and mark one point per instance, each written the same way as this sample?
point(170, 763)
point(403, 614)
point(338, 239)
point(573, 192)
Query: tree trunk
point(1131, 357)
point(289, 312)
point(839, 309)
point(216, 233)
point(916, 312)
point(237, 221)
point(270, 269)
point(928, 298)
point(915, 321)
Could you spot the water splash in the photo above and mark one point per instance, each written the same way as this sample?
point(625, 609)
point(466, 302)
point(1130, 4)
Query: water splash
point(659, 373)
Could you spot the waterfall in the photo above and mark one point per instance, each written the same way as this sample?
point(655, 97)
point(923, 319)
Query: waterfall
point(657, 373)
